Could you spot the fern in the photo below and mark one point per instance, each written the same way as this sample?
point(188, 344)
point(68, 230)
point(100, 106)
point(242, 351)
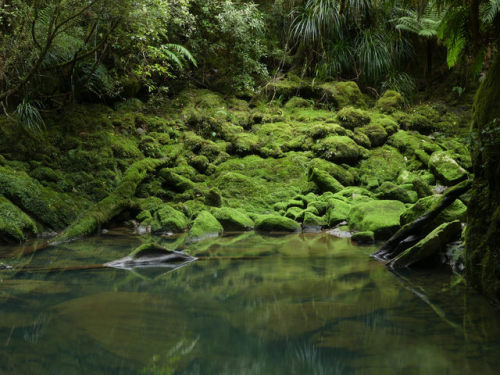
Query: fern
point(28, 116)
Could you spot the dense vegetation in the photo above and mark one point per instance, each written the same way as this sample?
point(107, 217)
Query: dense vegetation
point(213, 115)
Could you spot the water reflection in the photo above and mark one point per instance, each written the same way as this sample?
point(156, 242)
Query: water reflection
point(299, 304)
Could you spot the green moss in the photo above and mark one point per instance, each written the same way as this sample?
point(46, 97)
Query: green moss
point(295, 213)
point(390, 101)
point(360, 138)
point(431, 244)
point(15, 225)
point(391, 191)
point(233, 219)
point(339, 149)
point(171, 220)
point(324, 181)
point(410, 142)
point(124, 147)
point(342, 94)
point(205, 226)
point(337, 212)
point(297, 102)
point(312, 220)
point(379, 216)
point(55, 210)
point(175, 181)
point(389, 125)
point(383, 164)
point(275, 223)
point(286, 87)
point(350, 117)
point(446, 169)
point(456, 211)
point(376, 134)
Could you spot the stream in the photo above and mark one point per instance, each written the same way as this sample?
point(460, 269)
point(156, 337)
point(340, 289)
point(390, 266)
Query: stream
point(251, 304)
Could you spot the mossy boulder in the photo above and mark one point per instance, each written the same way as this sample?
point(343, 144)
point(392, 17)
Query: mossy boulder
point(343, 175)
point(375, 133)
point(337, 212)
point(389, 190)
point(367, 237)
point(171, 220)
point(383, 164)
point(205, 226)
point(390, 101)
point(446, 168)
point(456, 211)
point(324, 181)
point(275, 223)
point(410, 142)
point(339, 149)
point(378, 216)
point(430, 245)
point(174, 181)
point(233, 219)
point(213, 198)
point(298, 102)
point(351, 118)
point(341, 94)
point(295, 213)
point(15, 225)
point(312, 220)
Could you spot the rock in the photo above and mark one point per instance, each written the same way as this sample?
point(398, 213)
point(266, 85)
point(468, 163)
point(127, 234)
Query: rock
point(175, 181)
point(324, 181)
point(297, 102)
point(456, 211)
point(422, 188)
point(15, 225)
point(205, 226)
point(295, 213)
point(341, 94)
point(338, 211)
point(350, 117)
point(312, 220)
point(170, 220)
point(339, 149)
point(233, 219)
point(378, 216)
point(275, 223)
point(390, 101)
point(339, 233)
point(213, 198)
point(433, 243)
point(367, 237)
point(446, 168)
point(376, 133)
point(389, 191)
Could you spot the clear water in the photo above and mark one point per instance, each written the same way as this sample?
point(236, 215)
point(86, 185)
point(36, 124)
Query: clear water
point(299, 304)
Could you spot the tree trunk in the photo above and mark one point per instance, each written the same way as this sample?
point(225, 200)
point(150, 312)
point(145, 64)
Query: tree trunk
point(483, 229)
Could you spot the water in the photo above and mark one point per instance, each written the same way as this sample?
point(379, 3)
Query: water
point(298, 304)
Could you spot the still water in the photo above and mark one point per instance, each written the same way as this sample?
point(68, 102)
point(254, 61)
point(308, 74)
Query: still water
point(251, 304)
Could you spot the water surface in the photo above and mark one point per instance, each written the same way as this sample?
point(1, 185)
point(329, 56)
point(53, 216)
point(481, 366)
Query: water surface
point(252, 304)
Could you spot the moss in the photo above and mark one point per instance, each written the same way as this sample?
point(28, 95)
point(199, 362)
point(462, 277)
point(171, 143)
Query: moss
point(409, 142)
point(376, 134)
point(342, 94)
point(15, 225)
point(213, 198)
point(275, 223)
point(171, 220)
point(344, 176)
point(233, 219)
point(383, 164)
point(389, 125)
point(431, 244)
point(339, 149)
point(379, 216)
point(320, 206)
point(456, 211)
point(390, 101)
point(297, 102)
point(175, 181)
point(446, 169)
point(124, 147)
point(337, 212)
point(205, 226)
point(286, 87)
point(360, 138)
point(295, 213)
point(350, 117)
point(312, 220)
point(113, 204)
point(55, 210)
point(422, 188)
point(367, 237)
point(391, 191)
point(353, 193)
point(324, 181)
point(420, 122)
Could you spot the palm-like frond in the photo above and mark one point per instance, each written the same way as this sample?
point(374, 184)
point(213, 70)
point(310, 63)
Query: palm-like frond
point(490, 11)
point(28, 116)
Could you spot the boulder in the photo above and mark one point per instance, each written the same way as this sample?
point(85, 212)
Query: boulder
point(233, 219)
point(324, 181)
point(275, 223)
point(205, 226)
point(446, 168)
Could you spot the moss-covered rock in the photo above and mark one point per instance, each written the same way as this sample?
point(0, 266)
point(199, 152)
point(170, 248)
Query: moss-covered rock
point(367, 237)
point(339, 149)
point(390, 191)
point(171, 220)
point(376, 134)
point(341, 94)
point(337, 212)
point(312, 220)
point(213, 198)
point(233, 219)
point(456, 211)
point(205, 226)
point(275, 223)
point(431, 244)
point(295, 213)
point(446, 168)
point(324, 181)
point(343, 175)
point(15, 225)
point(297, 102)
point(174, 181)
point(350, 117)
point(383, 164)
point(379, 216)
point(390, 101)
